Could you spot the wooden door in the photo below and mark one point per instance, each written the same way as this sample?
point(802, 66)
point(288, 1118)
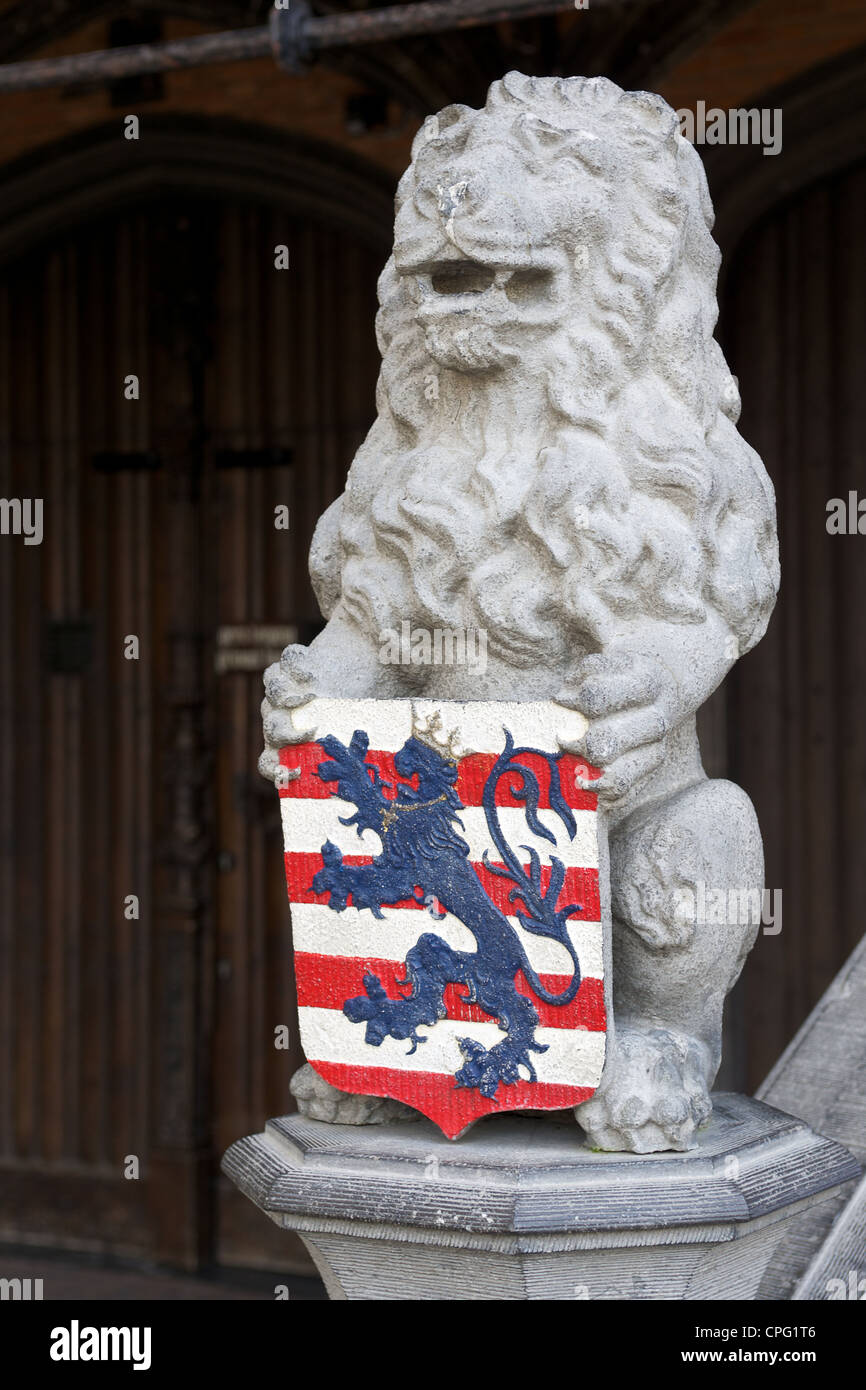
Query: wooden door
point(293, 386)
point(79, 776)
point(144, 951)
point(794, 330)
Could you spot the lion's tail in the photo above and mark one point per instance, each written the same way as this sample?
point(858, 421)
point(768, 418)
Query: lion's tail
point(543, 993)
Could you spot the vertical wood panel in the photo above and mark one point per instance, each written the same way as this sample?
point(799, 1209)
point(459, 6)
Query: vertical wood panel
point(8, 817)
point(98, 349)
point(28, 848)
point(849, 595)
point(794, 333)
point(61, 1033)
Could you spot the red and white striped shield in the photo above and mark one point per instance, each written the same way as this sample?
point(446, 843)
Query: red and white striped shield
point(448, 881)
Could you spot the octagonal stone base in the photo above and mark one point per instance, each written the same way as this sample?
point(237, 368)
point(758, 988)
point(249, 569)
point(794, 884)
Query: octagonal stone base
point(519, 1208)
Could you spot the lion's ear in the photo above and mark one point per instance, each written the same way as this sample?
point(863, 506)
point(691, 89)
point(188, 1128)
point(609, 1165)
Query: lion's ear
point(537, 134)
point(581, 148)
point(653, 113)
point(443, 127)
point(428, 132)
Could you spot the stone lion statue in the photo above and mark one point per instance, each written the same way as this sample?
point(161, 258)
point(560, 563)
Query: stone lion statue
point(555, 461)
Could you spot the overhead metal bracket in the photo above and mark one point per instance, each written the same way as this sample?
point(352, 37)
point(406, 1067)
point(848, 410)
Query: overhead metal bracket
point(293, 37)
point(290, 37)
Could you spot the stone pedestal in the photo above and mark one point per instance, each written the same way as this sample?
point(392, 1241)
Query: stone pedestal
point(520, 1209)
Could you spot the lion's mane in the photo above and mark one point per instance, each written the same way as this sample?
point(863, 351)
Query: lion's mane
point(640, 497)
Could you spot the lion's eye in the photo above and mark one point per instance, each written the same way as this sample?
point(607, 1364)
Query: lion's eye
point(462, 277)
point(525, 285)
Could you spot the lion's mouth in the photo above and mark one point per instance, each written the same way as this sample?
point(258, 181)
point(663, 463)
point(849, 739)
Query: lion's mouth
point(474, 315)
point(474, 281)
point(450, 293)
point(462, 277)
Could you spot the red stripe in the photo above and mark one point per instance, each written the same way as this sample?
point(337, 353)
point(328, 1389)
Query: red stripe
point(472, 776)
point(326, 982)
point(436, 1096)
point(475, 770)
point(307, 757)
point(580, 885)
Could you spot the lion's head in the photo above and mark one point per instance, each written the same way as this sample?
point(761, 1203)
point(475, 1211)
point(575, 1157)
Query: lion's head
point(555, 446)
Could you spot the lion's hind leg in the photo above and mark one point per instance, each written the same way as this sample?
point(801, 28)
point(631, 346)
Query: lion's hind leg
point(485, 1069)
point(673, 963)
point(431, 965)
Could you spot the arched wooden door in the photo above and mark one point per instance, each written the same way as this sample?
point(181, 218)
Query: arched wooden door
point(144, 953)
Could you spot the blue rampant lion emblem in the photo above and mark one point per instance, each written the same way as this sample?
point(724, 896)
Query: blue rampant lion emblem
point(424, 857)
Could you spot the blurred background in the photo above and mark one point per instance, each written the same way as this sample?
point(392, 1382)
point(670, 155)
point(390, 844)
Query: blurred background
point(151, 1036)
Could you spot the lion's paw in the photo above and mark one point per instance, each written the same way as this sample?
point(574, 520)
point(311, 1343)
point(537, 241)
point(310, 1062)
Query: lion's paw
point(654, 1095)
point(318, 1100)
point(288, 685)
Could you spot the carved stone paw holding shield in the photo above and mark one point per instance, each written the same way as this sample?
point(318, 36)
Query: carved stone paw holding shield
point(448, 876)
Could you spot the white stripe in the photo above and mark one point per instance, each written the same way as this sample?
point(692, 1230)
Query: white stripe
point(308, 823)
point(353, 932)
point(478, 724)
point(575, 1056)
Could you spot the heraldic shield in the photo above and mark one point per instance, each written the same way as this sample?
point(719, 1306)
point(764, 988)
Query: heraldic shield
point(447, 872)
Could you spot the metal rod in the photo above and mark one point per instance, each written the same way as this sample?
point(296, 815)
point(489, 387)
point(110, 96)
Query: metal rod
point(423, 17)
point(111, 64)
point(315, 33)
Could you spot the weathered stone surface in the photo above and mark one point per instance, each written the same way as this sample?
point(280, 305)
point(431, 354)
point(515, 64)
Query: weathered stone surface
point(821, 1078)
point(838, 1270)
point(520, 1209)
point(556, 464)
